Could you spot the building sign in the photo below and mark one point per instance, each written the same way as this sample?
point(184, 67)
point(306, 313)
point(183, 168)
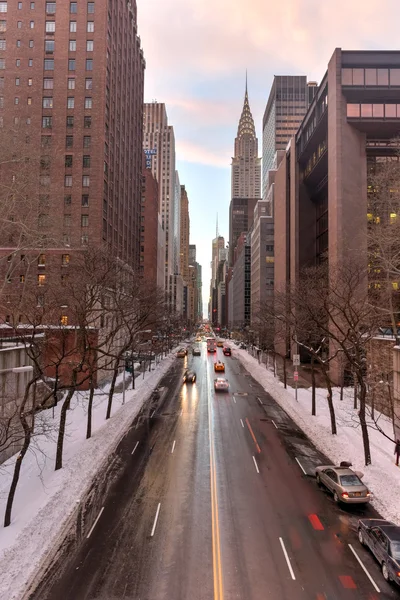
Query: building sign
point(149, 153)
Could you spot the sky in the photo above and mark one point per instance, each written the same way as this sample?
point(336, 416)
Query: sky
point(197, 53)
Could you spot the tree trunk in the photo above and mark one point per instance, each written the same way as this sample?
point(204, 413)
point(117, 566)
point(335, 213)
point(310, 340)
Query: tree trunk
point(341, 389)
point(284, 373)
point(355, 384)
point(313, 403)
point(330, 402)
point(17, 468)
point(363, 423)
point(90, 408)
point(274, 365)
point(112, 388)
point(373, 403)
point(61, 431)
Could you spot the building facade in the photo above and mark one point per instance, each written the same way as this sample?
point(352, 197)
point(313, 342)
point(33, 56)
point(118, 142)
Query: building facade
point(184, 235)
point(149, 230)
point(245, 176)
point(262, 256)
point(241, 286)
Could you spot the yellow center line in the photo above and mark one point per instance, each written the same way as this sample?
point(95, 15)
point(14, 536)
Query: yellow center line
point(216, 544)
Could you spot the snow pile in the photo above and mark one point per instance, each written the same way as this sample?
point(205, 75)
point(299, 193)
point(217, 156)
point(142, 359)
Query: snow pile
point(45, 499)
point(382, 477)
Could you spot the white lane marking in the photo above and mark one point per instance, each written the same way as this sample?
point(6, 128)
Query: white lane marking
point(259, 400)
point(287, 558)
point(181, 412)
point(136, 445)
point(152, 414)
point(274, 424)
point(256, 465)
point(155, 520)
point(94, 524)
point(234, 399)
point(300, 465)
point(242, 423)
point(364, 569)
point(173, 447)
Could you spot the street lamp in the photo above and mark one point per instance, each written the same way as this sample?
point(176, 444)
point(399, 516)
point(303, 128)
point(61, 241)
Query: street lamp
point(23, 369)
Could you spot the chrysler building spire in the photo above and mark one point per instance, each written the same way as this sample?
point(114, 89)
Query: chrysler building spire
point(246, 122)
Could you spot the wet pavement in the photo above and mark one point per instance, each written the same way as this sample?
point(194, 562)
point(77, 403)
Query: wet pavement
point(217, 501)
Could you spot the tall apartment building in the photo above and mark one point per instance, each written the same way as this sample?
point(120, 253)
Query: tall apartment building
point(159, 145)
point(71, 89)
point(184, 233)
point(149, 229)
point(262, 256)
point(218, 244)
point(245, 174)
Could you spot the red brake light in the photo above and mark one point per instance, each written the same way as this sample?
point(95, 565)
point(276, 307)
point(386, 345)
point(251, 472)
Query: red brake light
point(345, 495)
point(368, 493)
point(398, 573)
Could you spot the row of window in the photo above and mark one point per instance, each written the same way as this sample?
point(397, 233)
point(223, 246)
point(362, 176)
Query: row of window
point(68, 181)
point(73, 7)
point(47, 123)
point(48, 102)
point(48, 83)
point(374, 111)
point(50, 26)
point(85, 161)
point(84, 200)
point(49, 64)
point(363, 77)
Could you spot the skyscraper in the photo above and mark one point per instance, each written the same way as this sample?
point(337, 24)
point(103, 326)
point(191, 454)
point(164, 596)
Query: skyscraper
point(184, 232)
point(246, 177)
point(71, 73)
point(159, 145)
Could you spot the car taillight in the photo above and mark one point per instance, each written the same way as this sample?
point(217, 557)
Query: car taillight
point(345, 495)
point(398, 573)
point(368, 493)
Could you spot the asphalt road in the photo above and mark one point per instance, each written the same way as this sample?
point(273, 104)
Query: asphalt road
point(213, 505)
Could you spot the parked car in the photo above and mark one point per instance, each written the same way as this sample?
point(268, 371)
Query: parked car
point(345, 485)
point(219, 366)
point(227, 351)
point(196, 352)
point(383, 539)
point(221, 385)
point(189, 377)
point(182, 352)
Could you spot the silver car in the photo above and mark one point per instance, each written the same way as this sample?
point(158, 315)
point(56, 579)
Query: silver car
point(345, 485)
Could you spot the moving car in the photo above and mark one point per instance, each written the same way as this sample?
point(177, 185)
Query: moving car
point(221, 385)
point(219, 366)
point(220, 344)
point(345, 485)
point(196, 352)
point(383, 539)
point(189, 377)
point(227, 351)
point(211, 345)
point(182, 352)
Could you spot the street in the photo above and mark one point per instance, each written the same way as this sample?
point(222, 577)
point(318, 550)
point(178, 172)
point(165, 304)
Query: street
point(214, 503)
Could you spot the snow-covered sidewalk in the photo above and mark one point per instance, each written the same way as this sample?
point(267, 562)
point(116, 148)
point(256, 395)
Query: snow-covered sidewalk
point(45, 499)
point(382, 477)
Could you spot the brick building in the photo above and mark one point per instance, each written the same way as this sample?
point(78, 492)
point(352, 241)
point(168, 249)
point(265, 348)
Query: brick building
point(149, 234)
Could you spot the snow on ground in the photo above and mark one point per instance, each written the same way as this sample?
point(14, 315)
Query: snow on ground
point(382, 477)
point(45, 499)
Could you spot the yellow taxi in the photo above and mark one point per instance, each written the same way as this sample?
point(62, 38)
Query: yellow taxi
point(219, 366)
point(220, 344)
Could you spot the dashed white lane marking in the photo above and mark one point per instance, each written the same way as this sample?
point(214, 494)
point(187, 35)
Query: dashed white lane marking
point(181, 412)
point(173, 447)
point(259, 399)
point(274, 424)
point(156, 519)
point(152, 414)
point(364, 569)
point(136, 445)
point(300, 465)
point(234, 399)
point(242, 423)
point(256, 465)
point(287, 559)
point(94, 524)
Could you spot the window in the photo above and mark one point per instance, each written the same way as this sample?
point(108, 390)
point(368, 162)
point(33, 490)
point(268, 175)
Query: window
point(3, 26)
point(353, 110)
point(30, 81)
point(50, 8)
point(41, 279)
point(48, 83)
point(85, 181)
point(49, 64)
point(3, 7)
point(68, 181)
point(84, 220)
point(72, 45)
point(19, 5)
point(88, 103)
point(383, 77)
point(65, 260)
point(19, 24)
point(73, 7)
point(71, 83)
point(86, 141)
point(394, 76)
point(67, 200)
point(358, 76)
point(378, 110)
point(32, 24)
point(90, 7)
point(17, 81)
point(42, 260)
point(70, 102)
point(18, 44)
point(67, 220)
point(30, 62)
point(2, 63)
point(3, 44)
point(71, 64)
point(366, 110)
point(50, 26)
point(31, 43)
point(47, 102)
point(89, 46)
point(68, 160)
point(87, 122)
point(47, 122)
point(72, 26)
point(18, 62)
point(69, 141)
point(70, 122)
point(390, 111)
point(89, 83)
point(49, 46)
point(90, 27)
point(32, 5)
point(84, 239)
point(86, 161)
point(22, 278)
point(64, 320)
point(1, 83)
point(85, 200)
point(46, 141)
point(89, 64)
point(16, 100)
point(1, 101)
